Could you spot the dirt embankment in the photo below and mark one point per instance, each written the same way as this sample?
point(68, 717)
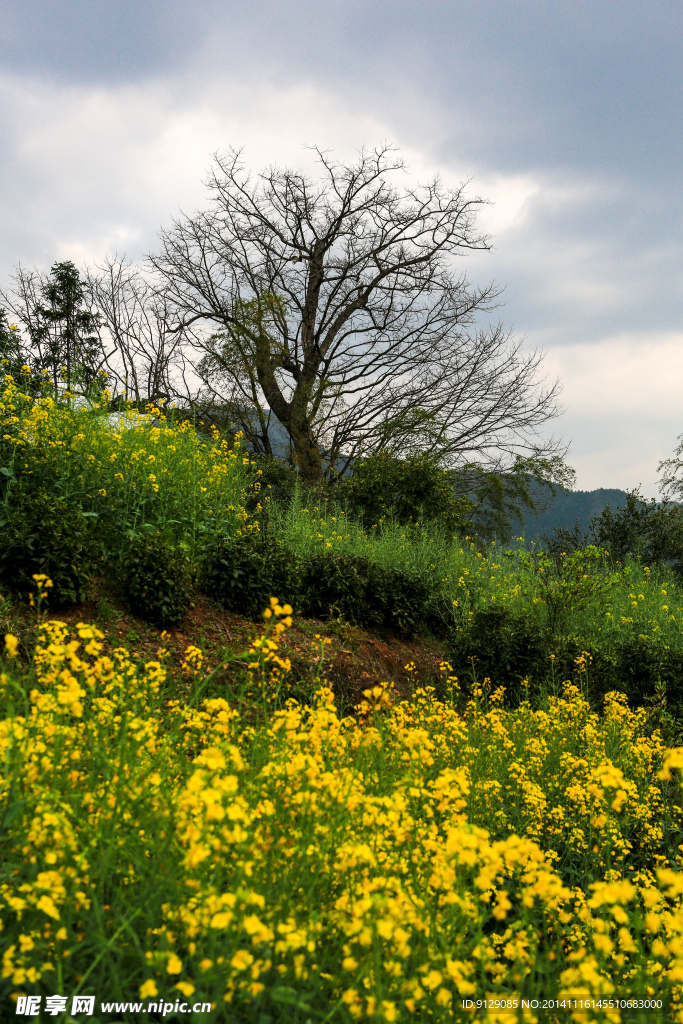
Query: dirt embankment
point(353, 659)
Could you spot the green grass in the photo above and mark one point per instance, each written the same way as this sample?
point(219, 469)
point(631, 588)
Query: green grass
point(587, 596)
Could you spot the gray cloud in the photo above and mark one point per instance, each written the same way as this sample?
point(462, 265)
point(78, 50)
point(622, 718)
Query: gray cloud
point(529, 83)
point(567, 115)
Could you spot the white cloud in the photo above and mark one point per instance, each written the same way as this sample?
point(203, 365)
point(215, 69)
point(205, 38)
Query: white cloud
point(622, 395)
point(89, 171)
point(512, 199)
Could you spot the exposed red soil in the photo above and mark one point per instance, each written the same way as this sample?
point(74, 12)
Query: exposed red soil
point(353, 660)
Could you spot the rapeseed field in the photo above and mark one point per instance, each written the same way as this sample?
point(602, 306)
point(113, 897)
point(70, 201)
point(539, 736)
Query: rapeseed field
point(451, 856)
point(383, 866)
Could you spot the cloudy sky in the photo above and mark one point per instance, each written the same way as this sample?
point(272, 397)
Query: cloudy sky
point(567, 115)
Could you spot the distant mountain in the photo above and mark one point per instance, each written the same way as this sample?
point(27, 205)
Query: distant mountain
point(568, 507)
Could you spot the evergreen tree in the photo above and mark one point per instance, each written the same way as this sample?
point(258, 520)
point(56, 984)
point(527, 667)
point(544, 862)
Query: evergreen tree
point(64, 332)
point(11, 355)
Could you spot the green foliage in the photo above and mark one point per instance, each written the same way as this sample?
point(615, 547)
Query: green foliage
point(404, 599)
point(13, 359)
point(641, 661)
point(564, 542)
point(408, 490)
point(43, 534)
point(242, 573)
point(567, 582)
point(644, 668)
point(278, 482)
point(156, 581)
point(10, 343)
point(64, 332)
point(500, 499)
point(334, 585)
point(363, 592)
point(135, 471)
point(506, 648)
point(651, 530)
point(439, 615)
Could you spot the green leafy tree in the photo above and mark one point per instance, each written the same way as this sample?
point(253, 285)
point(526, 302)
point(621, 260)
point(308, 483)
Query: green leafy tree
point(650, 530)
point(414, 489)
point(66, 333)
point(500, 499)
point(229, 369)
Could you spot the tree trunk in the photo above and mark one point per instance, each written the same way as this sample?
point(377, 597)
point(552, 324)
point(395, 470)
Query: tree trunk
point(306, 451)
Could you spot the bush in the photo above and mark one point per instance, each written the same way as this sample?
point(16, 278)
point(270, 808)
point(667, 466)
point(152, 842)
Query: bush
point(278, 481)
point(633, 665)
point(439, 616)
point(563, 542)
point(44, 534)
point(642, 661)
point(507, 649)
point(241, 574)
point(407, 490)
point(405, 602)
point(156, 581)
point(587, 661)
point(335, 585)
point(364, 592)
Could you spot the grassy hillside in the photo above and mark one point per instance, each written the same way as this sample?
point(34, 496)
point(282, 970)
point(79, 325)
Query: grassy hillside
point(459, 780)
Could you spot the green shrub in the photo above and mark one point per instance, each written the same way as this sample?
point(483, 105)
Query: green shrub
point(44, 534)
point(439, 617)
point(241, 574)
point(633, 665)
point(641, 661)
point(563, 542)
point(364, 592)
point(650, 530)
point(405, 601)
point(409, 490)
point(506, 648)
point(156, 581)
point(278, 481)
point(335, 585)
point(568, 582)
point(586, 661)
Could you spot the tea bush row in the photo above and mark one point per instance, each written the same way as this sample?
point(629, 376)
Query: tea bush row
point(47, 535)
point(240, 574)
point(517, 652)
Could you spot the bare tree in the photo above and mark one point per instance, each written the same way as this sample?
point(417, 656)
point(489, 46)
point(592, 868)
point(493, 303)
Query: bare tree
point(105, 325)
point(144, 354)
point(336, 304)
point(671, 471)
